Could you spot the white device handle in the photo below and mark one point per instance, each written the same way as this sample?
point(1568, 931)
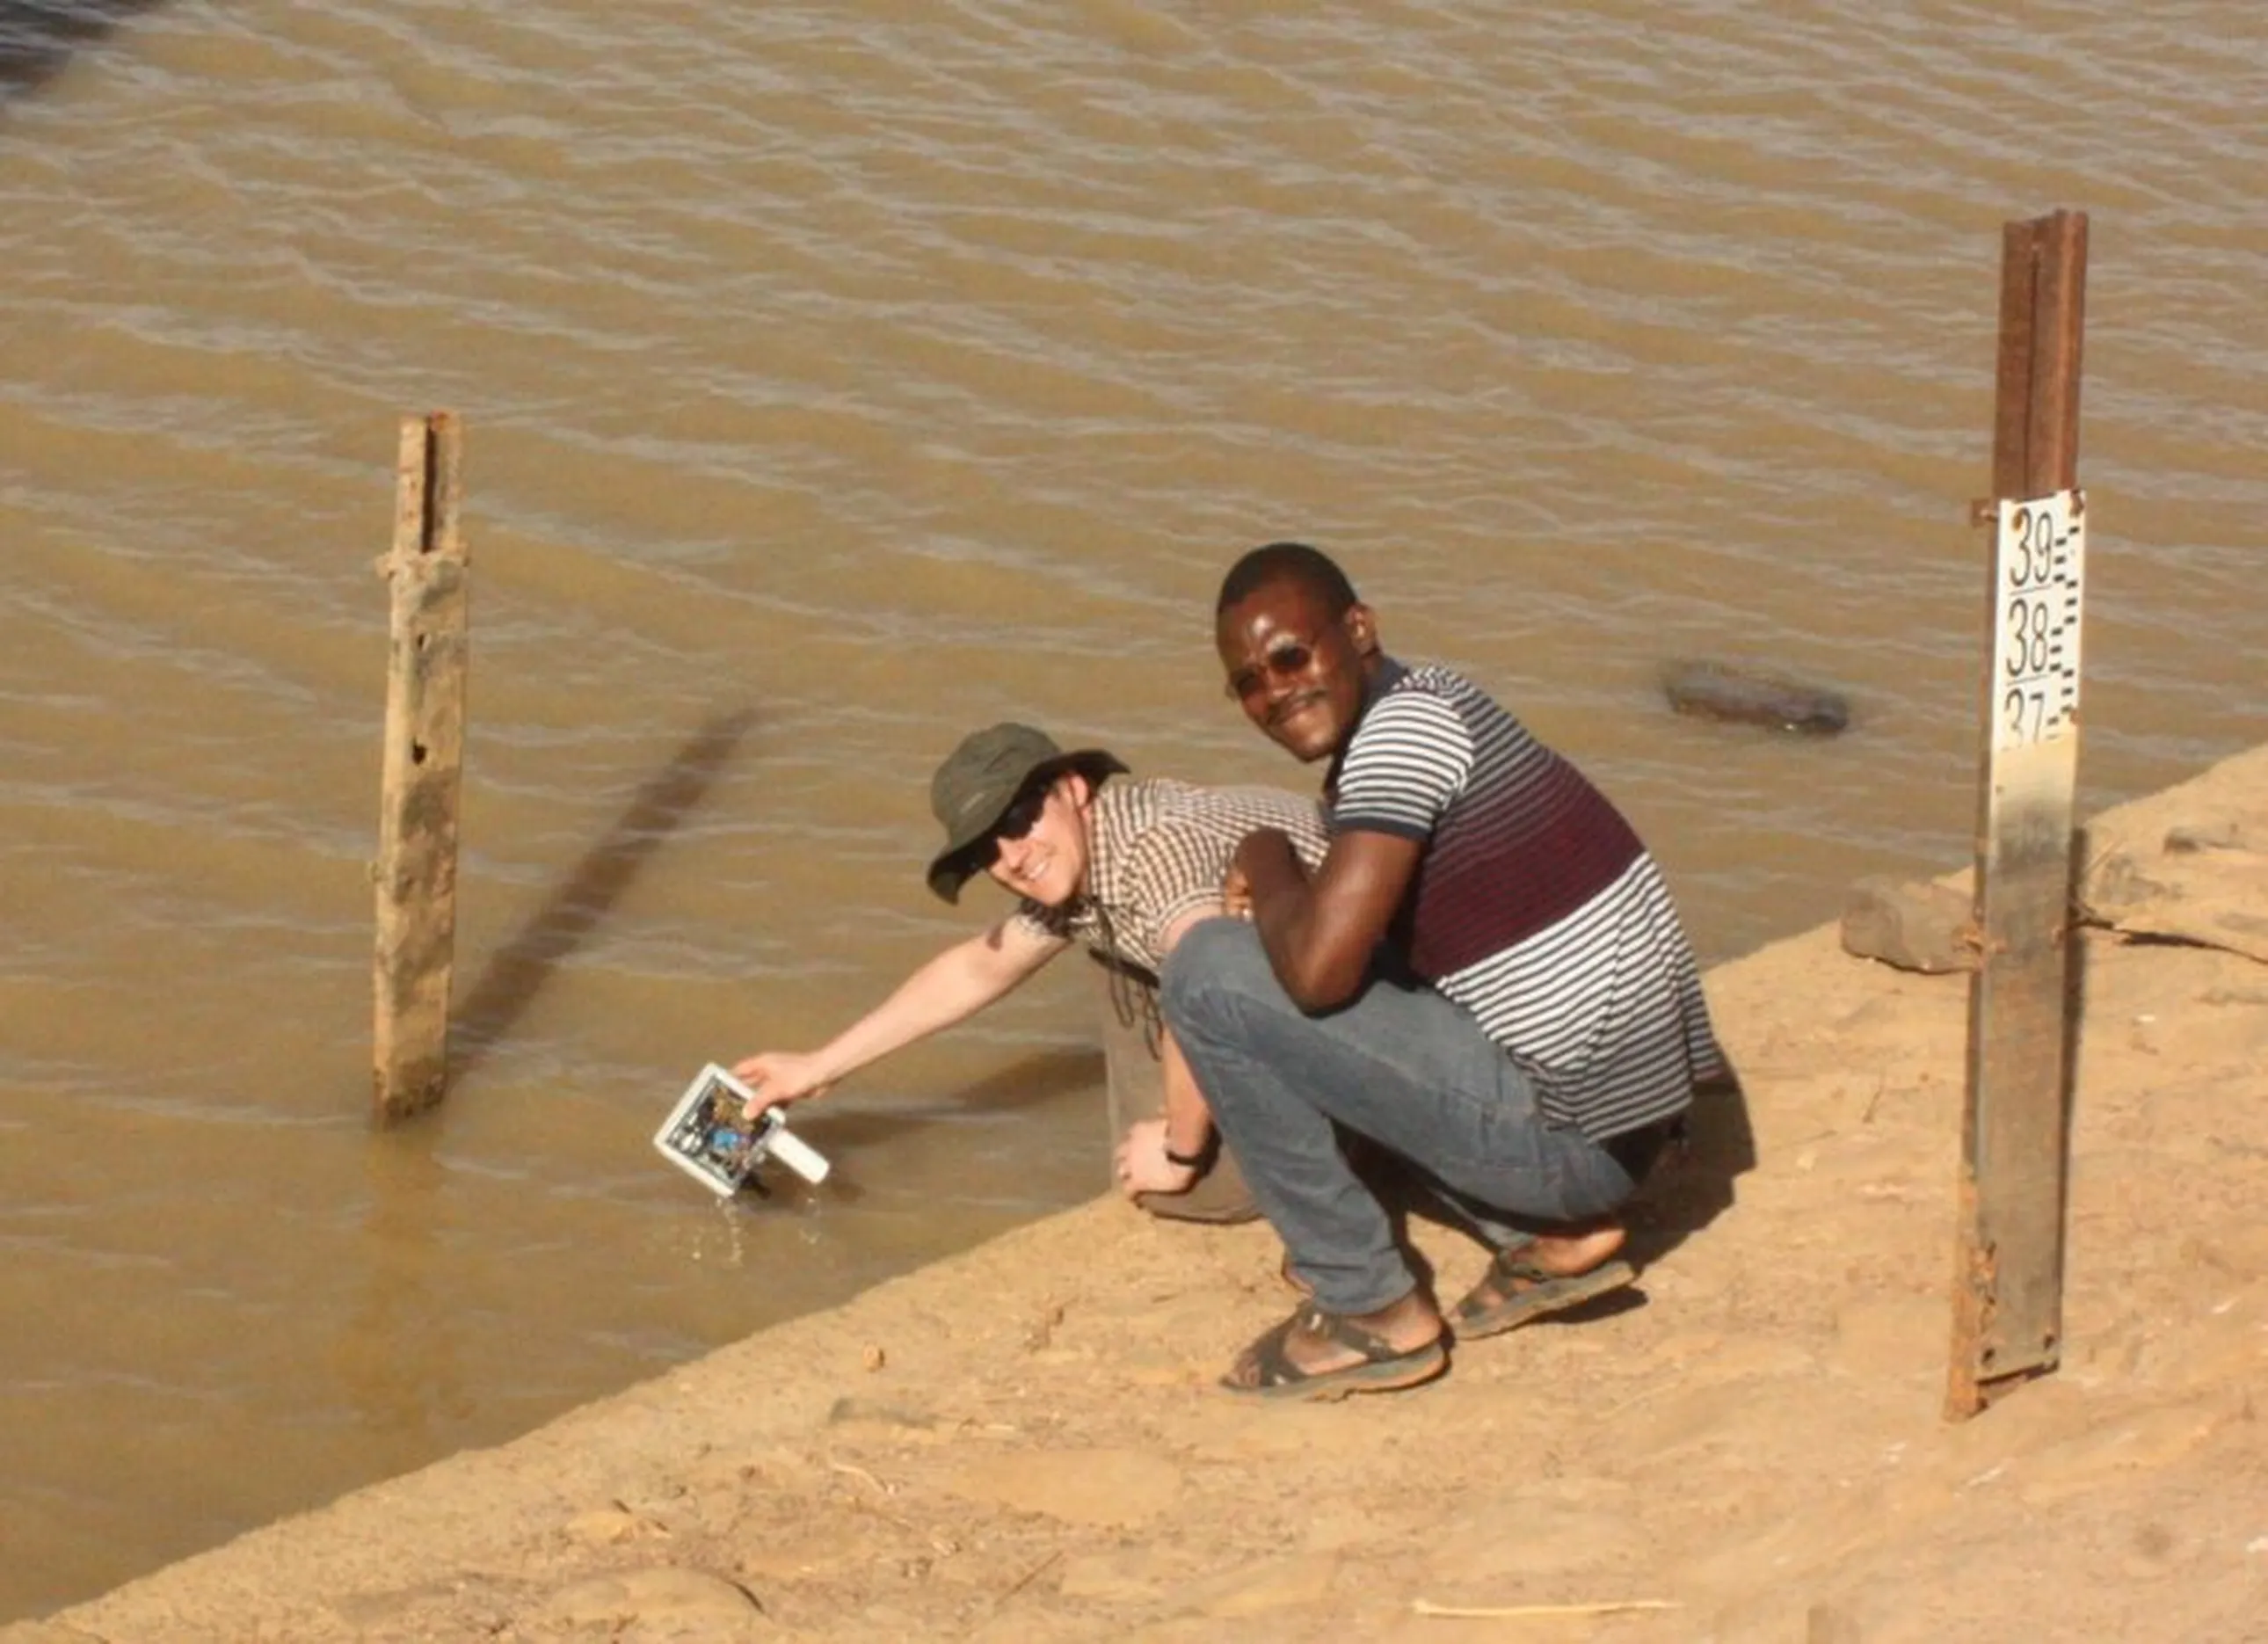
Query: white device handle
point(796, 1154)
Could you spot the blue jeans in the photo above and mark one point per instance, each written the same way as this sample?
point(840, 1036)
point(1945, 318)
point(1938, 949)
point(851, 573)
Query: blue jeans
point(1398, 1063)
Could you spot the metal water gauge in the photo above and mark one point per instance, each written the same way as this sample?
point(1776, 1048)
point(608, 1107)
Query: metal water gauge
point(2042, 562)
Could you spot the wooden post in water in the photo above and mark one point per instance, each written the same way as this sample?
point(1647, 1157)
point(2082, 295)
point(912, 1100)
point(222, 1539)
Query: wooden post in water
point(416, 871)
point(2008, 1313)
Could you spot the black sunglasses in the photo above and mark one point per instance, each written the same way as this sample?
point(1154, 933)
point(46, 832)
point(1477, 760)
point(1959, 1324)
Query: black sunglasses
point(1016, 821)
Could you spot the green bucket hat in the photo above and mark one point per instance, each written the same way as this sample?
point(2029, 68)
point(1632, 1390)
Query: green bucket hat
point(980, 780)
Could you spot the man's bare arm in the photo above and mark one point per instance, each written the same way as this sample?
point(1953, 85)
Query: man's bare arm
point(1319, 933)
point(952, 986)
point(1185, 1127)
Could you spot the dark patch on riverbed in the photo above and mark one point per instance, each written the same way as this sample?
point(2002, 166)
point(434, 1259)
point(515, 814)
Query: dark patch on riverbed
point(1723, 690)
point(38, 38)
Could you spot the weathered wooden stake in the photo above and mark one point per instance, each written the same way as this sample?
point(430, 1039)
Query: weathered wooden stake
point(416, 867)
point(2008, 1322)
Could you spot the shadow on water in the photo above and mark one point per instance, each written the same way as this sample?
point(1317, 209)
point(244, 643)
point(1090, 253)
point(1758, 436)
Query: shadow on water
point(38, 37)
point(409, 1396)
point(1047, 1080)
point(1035, 1081)
point(517, 971)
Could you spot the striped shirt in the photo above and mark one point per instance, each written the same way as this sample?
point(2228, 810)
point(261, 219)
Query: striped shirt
point(1157, 851)
point(1535, 905)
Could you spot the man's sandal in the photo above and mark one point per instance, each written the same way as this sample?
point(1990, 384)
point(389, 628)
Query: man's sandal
point(1382, 1368)
point(1515, 1291)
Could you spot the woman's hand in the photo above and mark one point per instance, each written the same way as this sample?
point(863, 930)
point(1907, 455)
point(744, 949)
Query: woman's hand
point(1142, 1166)
point(778, 1077)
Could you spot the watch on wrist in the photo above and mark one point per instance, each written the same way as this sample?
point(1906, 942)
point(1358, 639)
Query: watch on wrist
point(1197, 1160)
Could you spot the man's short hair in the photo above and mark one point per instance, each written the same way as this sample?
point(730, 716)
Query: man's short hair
point(1287, 562)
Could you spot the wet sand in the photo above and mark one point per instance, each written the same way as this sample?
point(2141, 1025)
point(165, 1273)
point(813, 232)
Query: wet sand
point(1023, 1441)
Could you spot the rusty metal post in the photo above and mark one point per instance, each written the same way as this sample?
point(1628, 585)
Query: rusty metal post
point(2008, 1322)
point(416, 871)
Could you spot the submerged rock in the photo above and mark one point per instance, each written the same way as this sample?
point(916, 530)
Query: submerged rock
point(1718, 690)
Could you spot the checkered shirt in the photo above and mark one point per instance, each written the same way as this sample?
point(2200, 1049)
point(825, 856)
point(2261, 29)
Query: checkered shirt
point(1157, 851)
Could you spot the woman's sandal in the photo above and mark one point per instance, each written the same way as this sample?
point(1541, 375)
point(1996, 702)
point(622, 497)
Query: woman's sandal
point(1382, 1368)
point(1515, 1291)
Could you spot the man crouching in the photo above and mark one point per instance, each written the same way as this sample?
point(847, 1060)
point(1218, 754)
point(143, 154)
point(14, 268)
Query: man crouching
point(1485, 977)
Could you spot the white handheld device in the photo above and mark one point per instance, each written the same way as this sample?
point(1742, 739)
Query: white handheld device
point(706, 1135)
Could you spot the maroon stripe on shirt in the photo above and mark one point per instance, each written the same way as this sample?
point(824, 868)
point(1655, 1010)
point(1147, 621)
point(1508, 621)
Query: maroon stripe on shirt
point(1478, 889)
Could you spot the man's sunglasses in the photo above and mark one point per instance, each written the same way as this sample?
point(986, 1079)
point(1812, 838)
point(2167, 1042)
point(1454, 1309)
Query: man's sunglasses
point(1285, 659)
point(1015, 822)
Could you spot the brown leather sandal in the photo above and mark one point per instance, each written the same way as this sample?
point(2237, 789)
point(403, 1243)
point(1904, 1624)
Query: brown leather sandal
point(1382, 1368)
point(1515, 1291)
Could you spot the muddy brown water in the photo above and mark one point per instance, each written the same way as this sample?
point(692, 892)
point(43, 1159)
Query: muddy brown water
point(837, 379)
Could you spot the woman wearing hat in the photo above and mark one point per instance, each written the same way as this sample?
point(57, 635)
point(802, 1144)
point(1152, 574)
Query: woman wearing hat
point(1122, 867)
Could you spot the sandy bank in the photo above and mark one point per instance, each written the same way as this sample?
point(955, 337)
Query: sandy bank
point(1023, 1441)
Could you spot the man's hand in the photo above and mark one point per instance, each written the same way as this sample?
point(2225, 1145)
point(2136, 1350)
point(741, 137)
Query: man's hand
point(777, 1077)
point(1143, 1167)
point(1267, 850)
point(1236, 894)
point(1319, 933)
